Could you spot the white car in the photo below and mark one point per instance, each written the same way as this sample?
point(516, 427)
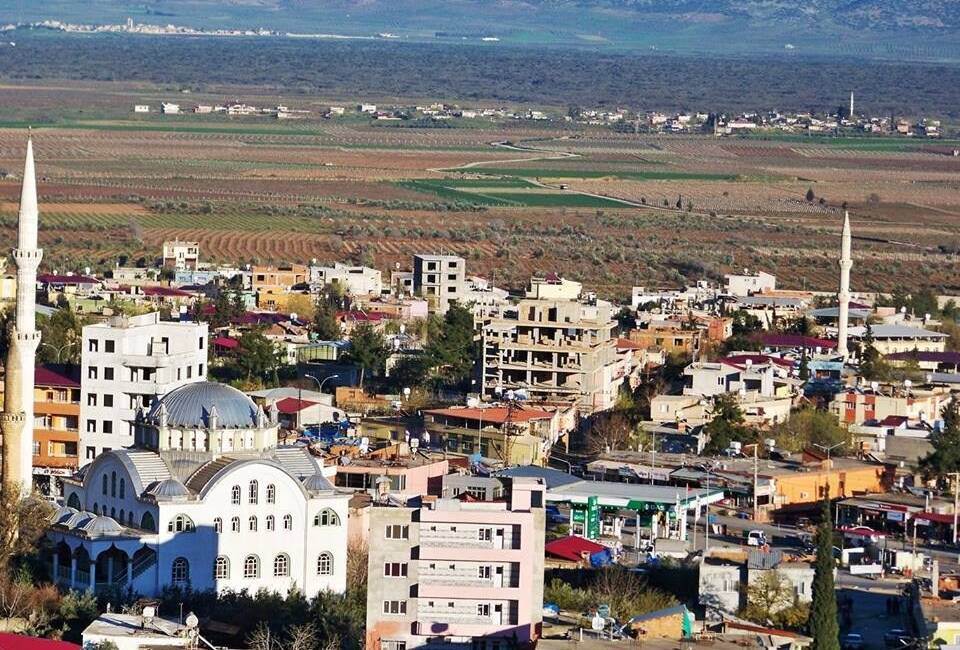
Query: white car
point(756, 538)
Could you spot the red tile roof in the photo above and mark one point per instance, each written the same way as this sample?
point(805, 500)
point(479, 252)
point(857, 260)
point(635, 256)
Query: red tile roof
point(226, 342)
point(165, 291)
point(572, 548)
point(20, 642)
point(795, 341)
point(50, 278)
point(62, 376)
point(893, 420)
point(627, 344)
point(290, 405)
point(492, 414)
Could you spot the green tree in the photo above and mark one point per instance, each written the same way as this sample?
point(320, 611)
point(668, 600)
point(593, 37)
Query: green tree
point(368, 349)
point(810, 196)
point(727, 425)
point(451, 347)
point(810, 426)
point(60, 334)
point(325, 324)
point(945, 456)
point(824, 627)
point(767, 596)
point(258, 357)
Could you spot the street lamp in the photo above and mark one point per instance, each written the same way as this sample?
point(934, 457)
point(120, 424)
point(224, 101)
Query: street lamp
point(59, 349)
point(319, 390)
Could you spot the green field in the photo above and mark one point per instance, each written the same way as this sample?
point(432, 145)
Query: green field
point(490, 192)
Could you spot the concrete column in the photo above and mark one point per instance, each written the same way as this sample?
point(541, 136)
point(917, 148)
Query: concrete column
point(93, 576)
point(110, 569)
point(56, 568)
point(73, 572)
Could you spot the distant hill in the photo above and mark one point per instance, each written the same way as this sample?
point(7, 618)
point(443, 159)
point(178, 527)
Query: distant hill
point(924, 29)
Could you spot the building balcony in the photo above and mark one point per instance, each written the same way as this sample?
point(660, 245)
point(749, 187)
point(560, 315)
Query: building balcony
point(147, 361)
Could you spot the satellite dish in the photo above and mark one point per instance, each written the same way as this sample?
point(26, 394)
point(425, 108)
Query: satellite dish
point(192, 621)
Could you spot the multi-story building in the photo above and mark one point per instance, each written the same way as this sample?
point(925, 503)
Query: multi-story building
point(56, 436)
point(441, 279)
point(179, 255)
point(452, 571)
point(747, 284)
point(272, 283)
point(128, 362)
point(553, 287)
point(354, 280)
point(856, 406)
point(896, 337)
point(556, 350)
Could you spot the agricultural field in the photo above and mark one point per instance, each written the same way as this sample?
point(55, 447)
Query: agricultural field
point(612, 210)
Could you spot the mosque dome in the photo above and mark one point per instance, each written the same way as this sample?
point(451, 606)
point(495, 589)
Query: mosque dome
point(62, 514)
point(168, 488)
point(317, 483)
point(102, 525)
point(190, 406)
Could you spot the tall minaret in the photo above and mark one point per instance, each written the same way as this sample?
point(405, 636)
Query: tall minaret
point(16, 421)
point(844, 296)
point(851, 106)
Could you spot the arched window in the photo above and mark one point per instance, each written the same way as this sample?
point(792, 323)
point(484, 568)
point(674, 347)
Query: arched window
point(235, 524)
point(180, 571)
point(281, 566)
point(130, 519)
point(96, 508)
point(180, 524)
point(113, 512)
point(218, 525)
point(104, 485)
point(123, 488)
point(287, 522)
point(271, 493)
point(113, 484)
point(254, 491)
point(235, 495)
point(251, 567)
point(147, 522)
point(74, 501)
point(221, 568)
point(270, 523)
point(252, 524)
point(120, 518)
point(326, 517)
point(325, 564)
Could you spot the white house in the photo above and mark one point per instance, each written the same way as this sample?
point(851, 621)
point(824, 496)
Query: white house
point(169, 109)
point(141, 108)
point(355, 280)
point(747, 284)
point(127, 362)
point(205, 500)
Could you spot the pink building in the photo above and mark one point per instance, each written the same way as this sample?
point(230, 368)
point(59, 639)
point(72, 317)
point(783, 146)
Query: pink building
point(457, 571)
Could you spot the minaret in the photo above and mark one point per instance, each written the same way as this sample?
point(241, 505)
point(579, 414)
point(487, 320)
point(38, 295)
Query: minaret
point(844, 296)
point(16, 421)
point(850, 117)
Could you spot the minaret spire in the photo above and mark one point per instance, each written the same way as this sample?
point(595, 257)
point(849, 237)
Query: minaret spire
point(16, 421)
point(846, 262)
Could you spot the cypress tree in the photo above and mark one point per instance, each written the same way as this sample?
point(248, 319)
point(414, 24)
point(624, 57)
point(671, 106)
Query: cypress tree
point(824, 627)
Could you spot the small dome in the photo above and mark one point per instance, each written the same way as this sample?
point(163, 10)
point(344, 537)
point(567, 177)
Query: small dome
point(63, 512)
point(168, 488)
point(189, 406)
point(102, 525)
point(76, 520)
point(317, 483)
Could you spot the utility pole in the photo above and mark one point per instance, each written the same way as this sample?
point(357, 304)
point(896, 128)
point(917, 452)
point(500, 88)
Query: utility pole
point(956, 501)
point(756, 507)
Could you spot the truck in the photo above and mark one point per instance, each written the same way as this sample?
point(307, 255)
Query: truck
point(756, 538)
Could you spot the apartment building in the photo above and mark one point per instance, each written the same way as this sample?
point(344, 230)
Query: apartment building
point(856, 406)
point(354, 280)
point(271, 281)
point(441, 279)
point(56, 438)
point(127, 362)
point(555, 350)
point(747, 284)
point(181, 255)
point(459, 572)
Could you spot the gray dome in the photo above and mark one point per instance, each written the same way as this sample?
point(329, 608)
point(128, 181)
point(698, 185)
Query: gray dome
point(168, 488)
point(62, 513)
point(317, 483)
point(75, 520)
point(102, 525)
point(189, 406)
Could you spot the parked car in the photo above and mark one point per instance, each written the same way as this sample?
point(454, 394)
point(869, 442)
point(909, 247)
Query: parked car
point(756, 538)
point(852, 641)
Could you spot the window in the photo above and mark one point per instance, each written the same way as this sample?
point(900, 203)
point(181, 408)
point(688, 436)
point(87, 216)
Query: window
point(326, 517)
point(235, 524)
point(235, 495)
point(218, 525)
point(147, 522)
point(201, 342)
point(73, 501)
point(325, 564)
point(251, 567)
point(254, 491)
point(180, 571)
point(189, 372)
point(91, 451)
point(395, 607)
point(108, 374)
point(108, 426)
point(287, 522)
point(395, 569)
point(92, 399)
point(271, 493)
point(397, 531)
point(483, 535)
point(113, 484)
point(107, 400)
point(252, 524)
point(393, 645)
point(270, 523)
point(281, 566)
point(180, 524)
point(483, 609)
point(109, 346)
point(91, 426)
point(123, 488)
point(199, 370)
point(96, 508)
point(120, 518)
point(93, 345)
point(105, 485)
point(221, 568)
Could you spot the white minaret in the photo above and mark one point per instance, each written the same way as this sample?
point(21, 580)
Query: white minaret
point(844, 296)
point(17, 418)
point(851, 106)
